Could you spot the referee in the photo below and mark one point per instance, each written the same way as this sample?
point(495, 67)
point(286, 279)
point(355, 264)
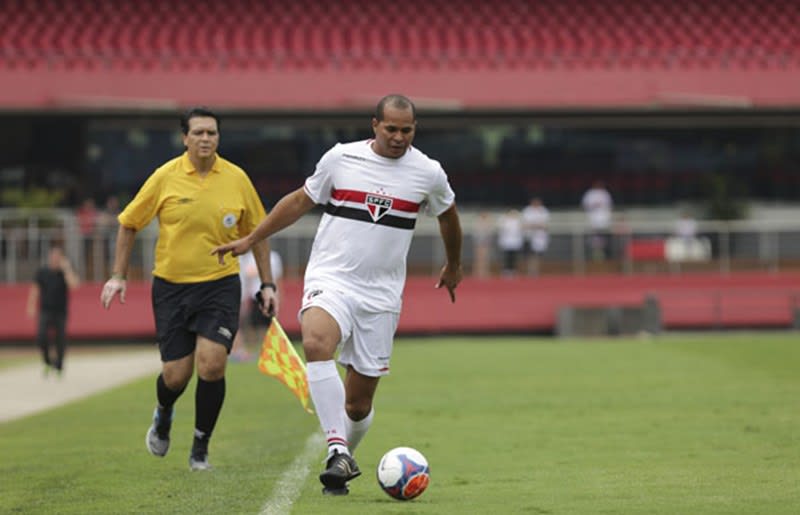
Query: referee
point(200, 199)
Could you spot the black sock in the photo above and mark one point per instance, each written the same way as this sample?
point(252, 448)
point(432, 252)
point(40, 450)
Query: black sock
point(166, 397)
point(207, 405)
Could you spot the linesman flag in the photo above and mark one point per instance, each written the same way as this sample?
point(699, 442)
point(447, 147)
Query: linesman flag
point(279, 360)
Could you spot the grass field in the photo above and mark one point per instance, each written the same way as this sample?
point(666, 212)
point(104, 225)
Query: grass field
point(689, 424)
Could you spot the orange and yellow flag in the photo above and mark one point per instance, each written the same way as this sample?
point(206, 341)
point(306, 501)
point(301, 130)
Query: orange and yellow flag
point(279, 359)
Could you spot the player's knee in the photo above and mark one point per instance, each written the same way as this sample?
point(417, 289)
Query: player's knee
point(317, 349)
point(358, 410)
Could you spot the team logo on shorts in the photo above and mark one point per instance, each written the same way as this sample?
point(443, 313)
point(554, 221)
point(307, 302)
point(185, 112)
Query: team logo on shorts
point(377, 206)
point(229, 220)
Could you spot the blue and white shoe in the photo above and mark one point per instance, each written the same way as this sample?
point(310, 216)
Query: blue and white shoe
point(157, 439)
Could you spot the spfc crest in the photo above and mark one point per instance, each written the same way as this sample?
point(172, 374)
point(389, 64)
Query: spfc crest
point(378, 206)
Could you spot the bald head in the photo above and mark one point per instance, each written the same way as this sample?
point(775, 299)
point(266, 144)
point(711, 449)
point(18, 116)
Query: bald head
point(399, 102)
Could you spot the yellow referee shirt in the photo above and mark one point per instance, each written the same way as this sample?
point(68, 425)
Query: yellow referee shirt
point(195, 214)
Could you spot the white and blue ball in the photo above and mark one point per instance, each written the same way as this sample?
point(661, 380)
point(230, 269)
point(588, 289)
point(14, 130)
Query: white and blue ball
point(403, 473)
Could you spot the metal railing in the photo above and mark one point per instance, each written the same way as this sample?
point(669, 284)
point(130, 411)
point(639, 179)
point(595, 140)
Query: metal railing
point(767, 245)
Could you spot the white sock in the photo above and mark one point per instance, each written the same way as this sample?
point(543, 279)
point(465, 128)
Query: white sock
point(327, 392)
point(356, 429)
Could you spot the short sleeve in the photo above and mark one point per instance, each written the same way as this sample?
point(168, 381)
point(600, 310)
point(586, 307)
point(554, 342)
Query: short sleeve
point(144, 206)
point(254, 211)
point(319, 186)
point(442, 195)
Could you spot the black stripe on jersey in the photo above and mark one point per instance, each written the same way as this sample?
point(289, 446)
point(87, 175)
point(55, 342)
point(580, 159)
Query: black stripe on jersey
point(364, 216)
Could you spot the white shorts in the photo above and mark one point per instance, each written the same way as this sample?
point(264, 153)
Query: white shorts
point(367, 337)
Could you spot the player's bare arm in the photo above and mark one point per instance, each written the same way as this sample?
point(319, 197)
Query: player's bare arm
point(122, 253)
point(286, 212)
point(450, 229)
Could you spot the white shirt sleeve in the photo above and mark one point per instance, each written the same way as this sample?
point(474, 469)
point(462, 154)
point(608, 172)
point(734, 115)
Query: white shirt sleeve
point(442, 195)
point(318, 187)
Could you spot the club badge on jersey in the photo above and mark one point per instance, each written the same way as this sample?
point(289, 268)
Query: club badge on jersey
point(377, 205)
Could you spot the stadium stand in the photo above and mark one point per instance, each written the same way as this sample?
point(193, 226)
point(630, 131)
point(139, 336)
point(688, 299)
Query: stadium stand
point(604, 52)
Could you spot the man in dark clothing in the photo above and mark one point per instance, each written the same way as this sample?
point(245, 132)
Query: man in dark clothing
point(49, 290)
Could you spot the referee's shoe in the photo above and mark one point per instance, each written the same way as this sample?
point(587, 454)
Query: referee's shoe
point(157, 439)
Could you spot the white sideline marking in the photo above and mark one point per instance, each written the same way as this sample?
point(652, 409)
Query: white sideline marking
point(288, 488)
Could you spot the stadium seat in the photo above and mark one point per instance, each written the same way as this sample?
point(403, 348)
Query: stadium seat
point(437, 34)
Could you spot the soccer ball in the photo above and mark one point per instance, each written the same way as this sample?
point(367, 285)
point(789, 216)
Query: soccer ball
point(403, 473)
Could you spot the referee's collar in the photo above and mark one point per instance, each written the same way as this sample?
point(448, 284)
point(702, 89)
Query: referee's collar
point(188, 167)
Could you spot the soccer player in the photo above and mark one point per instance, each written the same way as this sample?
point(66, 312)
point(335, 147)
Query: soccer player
point(200, 199)
point(372, 191)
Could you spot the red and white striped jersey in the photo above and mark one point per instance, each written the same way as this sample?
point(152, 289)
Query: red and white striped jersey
point(371, 206)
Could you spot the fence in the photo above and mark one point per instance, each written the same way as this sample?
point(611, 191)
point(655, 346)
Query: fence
point(771, 245)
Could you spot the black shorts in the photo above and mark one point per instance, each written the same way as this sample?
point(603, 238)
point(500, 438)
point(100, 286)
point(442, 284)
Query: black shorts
point(185, 310)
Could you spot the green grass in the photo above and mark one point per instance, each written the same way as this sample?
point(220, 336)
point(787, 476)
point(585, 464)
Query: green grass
point(700, 424)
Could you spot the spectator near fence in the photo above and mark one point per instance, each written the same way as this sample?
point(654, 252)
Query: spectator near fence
point(535, 218)
point(482, 240)
point(598, 205)
point(510, 239)
point(87, 216)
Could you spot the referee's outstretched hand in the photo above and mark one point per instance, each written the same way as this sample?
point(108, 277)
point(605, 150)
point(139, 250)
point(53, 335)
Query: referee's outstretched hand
point(236, 248)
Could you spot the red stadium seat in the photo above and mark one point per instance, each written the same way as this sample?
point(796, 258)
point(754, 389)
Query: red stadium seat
point(433, 35)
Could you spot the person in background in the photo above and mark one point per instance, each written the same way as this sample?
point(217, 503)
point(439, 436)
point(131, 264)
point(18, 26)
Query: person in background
point(199, 199)
point(107, 229)
point(49, 297)
point(510, 239)
point(598, 205)
point(482, 238)
point(250, 316)
point(686, 227)
point(535, 218)
point(373, 191)
point(87, 216)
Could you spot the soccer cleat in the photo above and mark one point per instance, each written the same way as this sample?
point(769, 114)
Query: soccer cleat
point(335, 491)
point(198, 459)
point(341, 468)
point(157, 439)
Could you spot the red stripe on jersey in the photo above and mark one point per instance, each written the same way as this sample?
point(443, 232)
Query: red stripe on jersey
point(361, 196)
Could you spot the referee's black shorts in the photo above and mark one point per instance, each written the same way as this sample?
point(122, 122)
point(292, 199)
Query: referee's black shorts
point(184, 310)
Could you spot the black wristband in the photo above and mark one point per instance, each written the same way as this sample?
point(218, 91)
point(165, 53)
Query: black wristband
point(268, 285)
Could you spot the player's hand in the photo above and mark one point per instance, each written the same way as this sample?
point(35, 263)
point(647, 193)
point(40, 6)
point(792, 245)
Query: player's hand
point(267, 300)
point(236, 248)
point(449, 278)
point(113, 286)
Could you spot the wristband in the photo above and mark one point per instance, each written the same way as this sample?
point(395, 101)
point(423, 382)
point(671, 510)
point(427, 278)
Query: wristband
point(118, 276)
point(268, 285)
